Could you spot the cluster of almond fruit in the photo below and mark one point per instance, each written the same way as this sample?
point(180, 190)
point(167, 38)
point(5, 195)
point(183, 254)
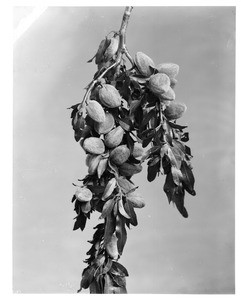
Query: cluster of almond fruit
point(125, 111)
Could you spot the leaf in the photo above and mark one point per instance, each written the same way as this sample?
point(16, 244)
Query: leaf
point(153, 150)
point(129, 141)
point(178, 199)
point(87, 277)
point(111, 246)
point(86, 207)
point(147, 141)
point(122, 210)
point(118, 269)
point(125, 184)
point(134, 105)
point(77, 135)
point(108, 287)
point(131, 212)
point(120, 233)
point(96, 189)
point(102, 166)
point(174, 159)
point(176, 126)
point(95, 287)
point(109, 227)
point(148, 117)
point(107, 266)
point(80, 222)
point(176, 175)
point(185, 137)
point(126, 124)
point(120, 281)
point(156, 160)
point(152, 172)
point(107, 208)
point(109, 188)
point(175, 194)
point(135, 199)
point(188, 150)
point(188, 178)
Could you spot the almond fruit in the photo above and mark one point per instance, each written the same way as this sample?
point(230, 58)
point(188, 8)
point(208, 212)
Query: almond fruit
point(106, 126)
point(94, 145)
point(143, 63)
point(95, 111)
point(109, 96)
point(159, 83)
point(114, 137)
point(175, 110)
point(119, 155)
point(169, 95)
point(83, 194)
point(170, 69)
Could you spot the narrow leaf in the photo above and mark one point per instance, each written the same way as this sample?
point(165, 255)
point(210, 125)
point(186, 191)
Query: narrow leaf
point(188, 178)
point(120, 233)
point(122, 210)
point(125, 184)
point(109, 188)
point(102, 167)
point(107, 208)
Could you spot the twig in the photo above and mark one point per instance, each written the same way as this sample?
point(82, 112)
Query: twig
point(121, 50)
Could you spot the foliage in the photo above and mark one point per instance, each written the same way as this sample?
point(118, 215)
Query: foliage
point(138, 107)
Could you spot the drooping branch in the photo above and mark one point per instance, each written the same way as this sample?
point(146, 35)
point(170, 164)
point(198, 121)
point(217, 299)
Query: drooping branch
point(121, 50)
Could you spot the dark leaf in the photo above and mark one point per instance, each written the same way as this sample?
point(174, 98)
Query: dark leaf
point(120, 233)
point(80, 222)
point(176, 126)
point(147, 118)
point(188, 178)
point(107, 208)
point(147, 141)
point(73, 198)
point(77, 135)
point(188, 150)
point(118, 269)
point(119, 280)
point(87, 276)
point(96, 189)
point(185, 137)
point(152, 150)
point(152, 172)
point(95, 287)
point(178, 199)
point(126, 124)
point(131, 212)
point(147, 133)
point(134, 105)
point(175, 194)
point(155, 161)
point(109, 227)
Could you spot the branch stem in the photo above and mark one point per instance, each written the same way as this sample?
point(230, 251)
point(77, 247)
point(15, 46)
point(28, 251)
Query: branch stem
point(121, 50)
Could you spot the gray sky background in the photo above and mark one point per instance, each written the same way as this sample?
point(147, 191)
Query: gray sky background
point(165, 253)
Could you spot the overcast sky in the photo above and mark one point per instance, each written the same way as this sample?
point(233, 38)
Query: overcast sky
point(165, 253)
